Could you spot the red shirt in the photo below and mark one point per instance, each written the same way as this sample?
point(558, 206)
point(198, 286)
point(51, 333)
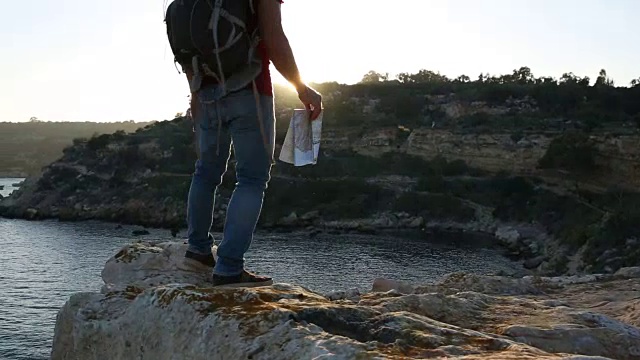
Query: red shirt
point(263, 82)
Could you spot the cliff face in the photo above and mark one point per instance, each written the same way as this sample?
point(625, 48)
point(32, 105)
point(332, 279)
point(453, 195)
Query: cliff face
point(500, 151)
point(151, 308)
point(511, 134)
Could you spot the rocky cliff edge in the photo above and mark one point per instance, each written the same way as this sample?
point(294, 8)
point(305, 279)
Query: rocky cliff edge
point(152, 308)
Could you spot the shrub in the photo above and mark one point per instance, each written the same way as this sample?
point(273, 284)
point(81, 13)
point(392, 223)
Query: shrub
point(336, 200)
point(433, 184)
point(98, 142)
point(434, 206)
point(574, 152)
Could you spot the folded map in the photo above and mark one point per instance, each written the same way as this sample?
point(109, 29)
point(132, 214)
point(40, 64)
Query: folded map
point(302, 142)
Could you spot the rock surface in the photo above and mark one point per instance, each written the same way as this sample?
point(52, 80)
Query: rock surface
point(151, 307)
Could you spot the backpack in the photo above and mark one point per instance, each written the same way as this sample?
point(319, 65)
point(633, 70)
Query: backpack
point(212, 38)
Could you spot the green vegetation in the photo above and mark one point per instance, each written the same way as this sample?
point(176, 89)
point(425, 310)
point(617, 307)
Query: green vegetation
point(26, 147)
point(413, 100)
point(434, 206)
point(572, 151)
point(334, 199)
point(165, 186)
point(338, 188)
point(351, 164)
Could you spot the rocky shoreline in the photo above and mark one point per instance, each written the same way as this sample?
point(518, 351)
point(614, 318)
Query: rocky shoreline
point(152, 307)
point(531, 244)
point(527, 247)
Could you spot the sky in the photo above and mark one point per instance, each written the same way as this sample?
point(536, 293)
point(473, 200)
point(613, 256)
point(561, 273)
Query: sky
point(79, 60)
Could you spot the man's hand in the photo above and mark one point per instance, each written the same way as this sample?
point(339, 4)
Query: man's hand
point(312, 101)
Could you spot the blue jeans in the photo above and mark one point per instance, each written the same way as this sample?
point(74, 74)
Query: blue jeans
point(221, 122)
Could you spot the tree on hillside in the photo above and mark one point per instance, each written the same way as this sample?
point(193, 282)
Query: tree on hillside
point(462, 79)
point(574, 152)
point(422, 77)
point(523, 76)
point(603, 80)
point(404, 78)
point(635, 82)
point(34, 119)
point(374, 77)
point(570, 78)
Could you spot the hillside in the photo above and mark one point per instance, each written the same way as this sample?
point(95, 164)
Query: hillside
point(26, 147)
point(492, 157)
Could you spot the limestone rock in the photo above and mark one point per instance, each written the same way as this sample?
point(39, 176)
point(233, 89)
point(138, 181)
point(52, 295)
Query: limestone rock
point(384, 285)
point(145, 264)
point(351, 295)
point(158, 310)
point(311, 215)
point(508, 235)
point(290, 220)
point(502, 285)
point(416, 222)
point(30, 213)
point(628, 272)
point(534, 262)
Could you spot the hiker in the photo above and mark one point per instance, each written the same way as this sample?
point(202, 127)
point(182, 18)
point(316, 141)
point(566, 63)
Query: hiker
point(232, 103)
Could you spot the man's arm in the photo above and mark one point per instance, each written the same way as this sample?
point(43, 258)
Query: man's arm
point(277, 43)
point(280, 53)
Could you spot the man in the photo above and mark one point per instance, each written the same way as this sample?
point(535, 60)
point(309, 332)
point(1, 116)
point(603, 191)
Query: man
point(245, 118)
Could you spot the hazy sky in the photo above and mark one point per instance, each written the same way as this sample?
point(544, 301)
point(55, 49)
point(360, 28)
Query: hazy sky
point(109, 60)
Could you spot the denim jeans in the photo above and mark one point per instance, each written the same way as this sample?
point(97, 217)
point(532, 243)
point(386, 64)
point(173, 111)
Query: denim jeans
point(221, 122)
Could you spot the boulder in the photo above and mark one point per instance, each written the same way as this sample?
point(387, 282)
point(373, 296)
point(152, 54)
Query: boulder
point(311, 215)
point(534, 262)
point(384, 285)
point(30, 213)
point(151, 307)
point(628, 272)
point(290, 220)
point(416, 222)
point(508, 235)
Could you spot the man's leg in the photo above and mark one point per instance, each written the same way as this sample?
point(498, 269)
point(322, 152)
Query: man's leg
point(214, 143)
point(253, 168)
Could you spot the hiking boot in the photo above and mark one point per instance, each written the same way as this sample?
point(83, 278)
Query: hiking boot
point(198, 262)
point(246, 279)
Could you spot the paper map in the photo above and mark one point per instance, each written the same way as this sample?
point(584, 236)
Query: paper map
point(302, 142)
